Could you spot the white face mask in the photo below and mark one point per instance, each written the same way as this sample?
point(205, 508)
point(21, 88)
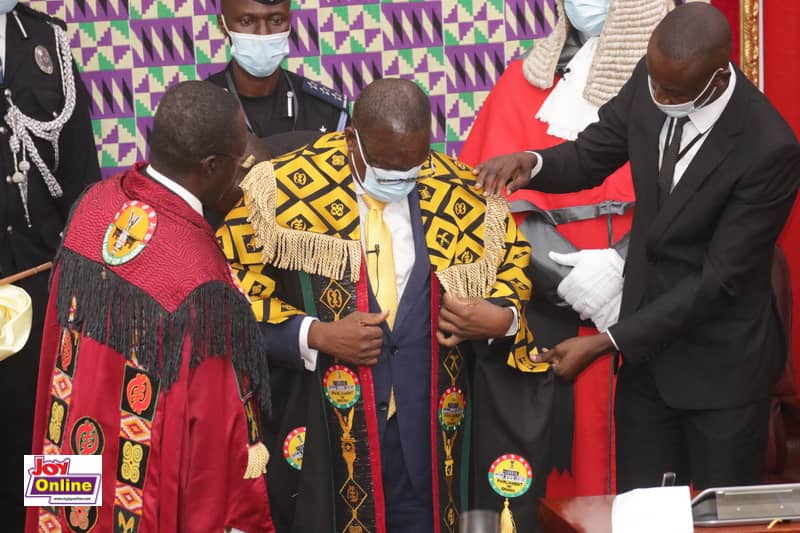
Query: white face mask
point(259, 55)
point(386, 185)
point(7, 5)
point(687, 108)
point(587, 16)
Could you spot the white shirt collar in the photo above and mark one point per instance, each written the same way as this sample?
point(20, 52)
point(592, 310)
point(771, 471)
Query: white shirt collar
point(177, 188)
point(707, 116)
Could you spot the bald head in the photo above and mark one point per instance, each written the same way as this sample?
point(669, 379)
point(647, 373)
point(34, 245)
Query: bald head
point(394, 104)
point(694, 32)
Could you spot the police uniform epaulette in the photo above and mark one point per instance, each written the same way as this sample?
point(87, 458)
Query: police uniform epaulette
point(24, 9)
point(335, 98)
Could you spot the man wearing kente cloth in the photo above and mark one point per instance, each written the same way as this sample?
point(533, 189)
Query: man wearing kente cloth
point(374, 260)
point(151, 357)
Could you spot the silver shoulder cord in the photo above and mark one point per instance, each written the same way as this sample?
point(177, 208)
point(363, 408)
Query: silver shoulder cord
point(23, 127)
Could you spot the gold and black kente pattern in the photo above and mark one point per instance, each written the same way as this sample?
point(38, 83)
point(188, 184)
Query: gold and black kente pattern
point(316, 191)
point(237, 240)
point(352, 471)
point(315, 195)
point(454, 216)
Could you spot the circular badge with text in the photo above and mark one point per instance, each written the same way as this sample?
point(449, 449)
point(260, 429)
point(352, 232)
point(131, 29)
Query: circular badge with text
point(293, 446)
point(128, 234)
point(452, 406)
point(342, 387)
point(510, 475)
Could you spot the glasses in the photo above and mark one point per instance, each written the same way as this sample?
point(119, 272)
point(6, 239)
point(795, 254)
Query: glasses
point(427, 170)
point(384, 176)
point(247, 161)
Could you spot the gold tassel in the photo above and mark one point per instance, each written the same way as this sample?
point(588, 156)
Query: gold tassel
point(507, 520)
point(475, 280)
point(291, 249)
point(257, 459)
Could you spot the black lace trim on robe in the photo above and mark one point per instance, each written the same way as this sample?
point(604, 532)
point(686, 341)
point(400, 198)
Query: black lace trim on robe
point(116, 313)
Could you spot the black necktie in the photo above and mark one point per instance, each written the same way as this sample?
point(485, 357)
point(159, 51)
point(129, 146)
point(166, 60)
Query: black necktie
point(668, 161)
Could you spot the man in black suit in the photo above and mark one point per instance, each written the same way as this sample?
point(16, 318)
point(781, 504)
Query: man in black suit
point(715, 172)
point(37, 189)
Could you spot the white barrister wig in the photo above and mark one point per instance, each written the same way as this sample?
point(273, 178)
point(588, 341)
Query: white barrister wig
point(623, 42)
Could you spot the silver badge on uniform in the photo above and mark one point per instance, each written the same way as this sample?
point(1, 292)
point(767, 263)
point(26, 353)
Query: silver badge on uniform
point(43, 59)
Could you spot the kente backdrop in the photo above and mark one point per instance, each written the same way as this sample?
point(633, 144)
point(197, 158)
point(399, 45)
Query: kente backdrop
point(130, 51)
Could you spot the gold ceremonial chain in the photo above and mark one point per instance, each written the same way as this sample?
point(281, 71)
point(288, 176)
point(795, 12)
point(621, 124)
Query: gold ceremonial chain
point(348, 442)
point(452, 363)
point(351, 492)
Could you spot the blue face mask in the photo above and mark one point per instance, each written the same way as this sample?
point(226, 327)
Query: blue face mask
point(587, 16)
point(259, 55)
point(386, 186)
point(7, 5)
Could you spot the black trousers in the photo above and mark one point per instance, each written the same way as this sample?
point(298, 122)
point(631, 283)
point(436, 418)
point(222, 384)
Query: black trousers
point(707, 448)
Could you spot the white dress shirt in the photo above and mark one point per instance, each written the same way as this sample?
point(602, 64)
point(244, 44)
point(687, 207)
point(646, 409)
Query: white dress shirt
point(700, 123)
point(177, 188)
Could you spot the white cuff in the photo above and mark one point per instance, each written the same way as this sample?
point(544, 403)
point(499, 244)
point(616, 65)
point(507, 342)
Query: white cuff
point(514, 327)
point(610, 336)
point(539, 162)
point(309, 355)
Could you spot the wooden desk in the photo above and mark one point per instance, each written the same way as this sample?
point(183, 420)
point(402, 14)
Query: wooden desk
point(592, 514)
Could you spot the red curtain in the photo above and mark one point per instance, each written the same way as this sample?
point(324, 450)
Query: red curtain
point(781, 49)
point(781, 57)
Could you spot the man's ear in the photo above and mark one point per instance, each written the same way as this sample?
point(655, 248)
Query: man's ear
point(208, 165)
point(221, 26)
point(350, 138)
point(724, 78)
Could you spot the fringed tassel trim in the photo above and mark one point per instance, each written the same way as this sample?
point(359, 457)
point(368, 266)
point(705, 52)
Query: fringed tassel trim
point(290, 249)
point(257, 459)
point(475, 280)
point(109, 309)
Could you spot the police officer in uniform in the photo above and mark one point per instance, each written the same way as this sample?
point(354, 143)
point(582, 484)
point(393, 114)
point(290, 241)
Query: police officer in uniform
point(47, 158)
point(275, 100)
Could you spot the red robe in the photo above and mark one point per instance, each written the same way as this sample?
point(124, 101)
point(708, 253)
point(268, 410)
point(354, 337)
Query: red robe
point(506, 123)
point(151, 362)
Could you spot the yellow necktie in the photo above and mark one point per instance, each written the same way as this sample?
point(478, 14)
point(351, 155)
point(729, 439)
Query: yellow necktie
point(380, 259)
point(380, 268)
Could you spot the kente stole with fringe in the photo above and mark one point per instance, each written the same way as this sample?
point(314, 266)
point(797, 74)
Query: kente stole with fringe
point(300, 214)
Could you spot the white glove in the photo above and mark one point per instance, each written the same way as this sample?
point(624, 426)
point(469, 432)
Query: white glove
point(594, 286)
